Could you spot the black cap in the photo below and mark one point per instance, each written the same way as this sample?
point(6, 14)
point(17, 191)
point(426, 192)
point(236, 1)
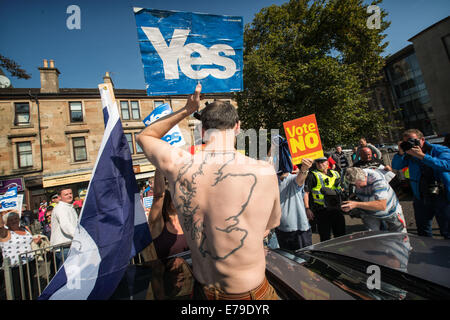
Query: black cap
point(197, 115)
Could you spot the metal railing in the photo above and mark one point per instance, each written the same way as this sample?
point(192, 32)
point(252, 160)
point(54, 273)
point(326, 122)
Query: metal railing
point(35, 271)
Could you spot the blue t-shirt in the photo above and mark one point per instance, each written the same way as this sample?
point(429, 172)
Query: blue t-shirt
point(293, 215)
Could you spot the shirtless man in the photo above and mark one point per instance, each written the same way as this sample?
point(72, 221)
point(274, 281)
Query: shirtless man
point(226, 202)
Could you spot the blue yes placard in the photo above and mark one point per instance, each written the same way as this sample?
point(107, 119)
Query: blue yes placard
point(180, 49)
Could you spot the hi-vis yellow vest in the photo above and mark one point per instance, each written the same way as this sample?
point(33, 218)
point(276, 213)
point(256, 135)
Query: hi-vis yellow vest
point(321, 179)
point(406, 172)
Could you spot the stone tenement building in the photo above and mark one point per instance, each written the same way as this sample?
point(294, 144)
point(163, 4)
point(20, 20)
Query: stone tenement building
point(50, 136)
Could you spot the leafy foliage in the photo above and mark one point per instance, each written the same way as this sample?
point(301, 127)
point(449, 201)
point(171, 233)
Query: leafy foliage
point(317, 57)
point(13, 68)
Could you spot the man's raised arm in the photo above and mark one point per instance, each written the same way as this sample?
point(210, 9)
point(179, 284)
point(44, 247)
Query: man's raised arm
point(303, 173)
point(159, 152)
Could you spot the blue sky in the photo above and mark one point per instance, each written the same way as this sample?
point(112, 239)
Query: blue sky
point(33, 30)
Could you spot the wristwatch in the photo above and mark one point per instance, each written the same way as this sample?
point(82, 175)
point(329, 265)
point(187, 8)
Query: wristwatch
point(304, 172)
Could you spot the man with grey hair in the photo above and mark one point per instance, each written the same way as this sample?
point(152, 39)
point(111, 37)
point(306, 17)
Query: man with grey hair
point(378, 200)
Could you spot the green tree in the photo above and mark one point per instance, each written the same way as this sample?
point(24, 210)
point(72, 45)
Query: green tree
point(319, 57)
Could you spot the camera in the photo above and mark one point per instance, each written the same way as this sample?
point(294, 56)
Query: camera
point(428, 184)
point(335, 197)
point(409, 144)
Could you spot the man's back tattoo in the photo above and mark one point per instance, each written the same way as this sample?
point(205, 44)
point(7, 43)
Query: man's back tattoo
point(187, 186)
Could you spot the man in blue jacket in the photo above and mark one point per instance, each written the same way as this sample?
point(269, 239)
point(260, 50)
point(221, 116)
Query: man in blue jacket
point(429, 169)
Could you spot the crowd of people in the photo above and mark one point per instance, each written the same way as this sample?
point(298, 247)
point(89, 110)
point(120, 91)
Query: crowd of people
point(224, 212)
point(316, 194)
point(20, 237)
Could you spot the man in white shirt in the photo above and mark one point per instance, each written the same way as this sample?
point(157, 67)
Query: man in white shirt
point(64, 221)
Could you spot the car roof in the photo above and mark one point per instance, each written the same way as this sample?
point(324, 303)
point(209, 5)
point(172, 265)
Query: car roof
point(423, 257)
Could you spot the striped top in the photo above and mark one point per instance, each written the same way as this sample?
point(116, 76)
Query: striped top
point(379, 189)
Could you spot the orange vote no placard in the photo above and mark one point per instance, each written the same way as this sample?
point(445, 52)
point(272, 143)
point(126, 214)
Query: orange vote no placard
point(303, 138)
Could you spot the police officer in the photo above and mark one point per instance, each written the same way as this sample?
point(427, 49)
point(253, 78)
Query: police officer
point(328, 219)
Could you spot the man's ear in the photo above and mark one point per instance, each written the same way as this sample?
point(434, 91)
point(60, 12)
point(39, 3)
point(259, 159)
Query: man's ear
point(422, 142)
point(237, 128)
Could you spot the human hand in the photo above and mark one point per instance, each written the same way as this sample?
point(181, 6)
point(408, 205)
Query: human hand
point(387, 168)
point(306, 164)
point(348, 205)
point(309, 214)
point(416, 152)
point(400, 150)
point(193, 102)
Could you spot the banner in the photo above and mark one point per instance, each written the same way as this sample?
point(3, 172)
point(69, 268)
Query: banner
point(303, 138)
point(10, 183)
point(174, 136)
point(8, 201)
point(179, 49)
point(148, 201)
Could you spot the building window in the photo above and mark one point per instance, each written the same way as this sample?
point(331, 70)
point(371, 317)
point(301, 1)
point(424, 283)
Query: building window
point(138, 147)
point(157, 103)
point(79, 149)
point(24, 154)
point(135, 114)
point(124, 109)
point(22, 113)
point(76, 112)
point(130, 141)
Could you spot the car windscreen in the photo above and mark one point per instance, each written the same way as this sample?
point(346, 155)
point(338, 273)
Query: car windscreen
point(358, 278)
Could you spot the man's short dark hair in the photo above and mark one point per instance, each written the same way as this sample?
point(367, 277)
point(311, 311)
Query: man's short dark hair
point(219, 115)
point(61, 190)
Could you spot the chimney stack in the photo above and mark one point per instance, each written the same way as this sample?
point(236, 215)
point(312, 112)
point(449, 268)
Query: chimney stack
point(107, 78)
point(49, 77)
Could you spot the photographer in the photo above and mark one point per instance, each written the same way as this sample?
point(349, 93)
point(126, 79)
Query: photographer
point(378, 202)
point(429, 170)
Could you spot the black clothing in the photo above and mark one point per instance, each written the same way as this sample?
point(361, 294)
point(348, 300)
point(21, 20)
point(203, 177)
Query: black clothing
point(341, 161)
point(294, 240)
point(27, 218)
point(330, 220)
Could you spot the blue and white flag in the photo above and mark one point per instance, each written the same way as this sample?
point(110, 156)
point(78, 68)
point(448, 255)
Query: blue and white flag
point(179, 49)
point(112, 226)
point(148, 202)
point(8, 201)
point(174, 137)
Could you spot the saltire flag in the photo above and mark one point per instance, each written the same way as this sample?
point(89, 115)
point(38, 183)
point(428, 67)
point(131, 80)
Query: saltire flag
point(112, 226)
